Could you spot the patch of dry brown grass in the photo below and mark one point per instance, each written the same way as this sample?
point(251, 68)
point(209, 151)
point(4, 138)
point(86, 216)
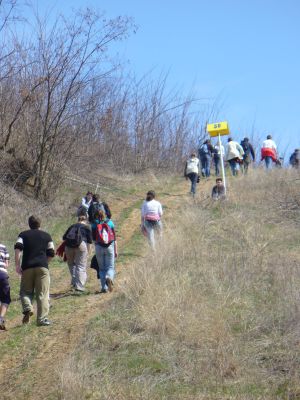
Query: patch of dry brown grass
point(217, 304)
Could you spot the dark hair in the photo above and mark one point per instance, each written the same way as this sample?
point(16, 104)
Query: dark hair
point(269, 137)
point(219, 180)
point(229, 139)
point(82, 217)
point(150, 195)
point(96, 197)
point(246, 139)
point(89, 193)
point(34, 222)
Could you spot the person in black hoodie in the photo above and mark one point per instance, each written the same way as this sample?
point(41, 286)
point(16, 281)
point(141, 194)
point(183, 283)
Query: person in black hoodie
point(249, 154)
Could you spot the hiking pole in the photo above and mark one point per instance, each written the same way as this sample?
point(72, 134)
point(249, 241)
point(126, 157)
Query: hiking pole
point(222, 161)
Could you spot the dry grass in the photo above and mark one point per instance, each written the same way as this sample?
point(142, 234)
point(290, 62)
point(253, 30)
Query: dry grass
point(214, 314)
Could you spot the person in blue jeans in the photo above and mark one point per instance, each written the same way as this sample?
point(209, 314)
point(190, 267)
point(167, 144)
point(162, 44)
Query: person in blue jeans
point(103, 232)
point(205, 151)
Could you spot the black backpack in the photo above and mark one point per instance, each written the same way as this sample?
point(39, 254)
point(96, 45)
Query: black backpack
point(74, 237)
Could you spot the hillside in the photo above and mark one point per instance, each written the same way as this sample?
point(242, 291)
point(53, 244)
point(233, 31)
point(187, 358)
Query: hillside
point(214, 314)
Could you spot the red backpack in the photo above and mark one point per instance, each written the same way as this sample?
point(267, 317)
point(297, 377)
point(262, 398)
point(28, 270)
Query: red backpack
point(104, 234)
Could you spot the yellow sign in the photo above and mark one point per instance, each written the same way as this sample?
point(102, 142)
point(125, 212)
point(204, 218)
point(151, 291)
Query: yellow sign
point(219, 128)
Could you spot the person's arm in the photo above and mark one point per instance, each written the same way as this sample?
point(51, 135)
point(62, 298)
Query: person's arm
point(6, 255)
point(65, 234)
point(107, 210)
point(143, 213)
point(240, 149)
point(89, 240)
point(50, 252)
point(252, 152)
point(91, 212)
point(85, 204)
point(213, 192)
point(160, 210)
point(18, 253)
point(184, 174)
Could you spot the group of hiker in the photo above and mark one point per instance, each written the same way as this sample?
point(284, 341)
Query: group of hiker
point(238, 156)
point(34, 249)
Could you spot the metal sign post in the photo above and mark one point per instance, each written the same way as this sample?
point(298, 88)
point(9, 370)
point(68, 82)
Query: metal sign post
point(217, 130)
point(222, 162)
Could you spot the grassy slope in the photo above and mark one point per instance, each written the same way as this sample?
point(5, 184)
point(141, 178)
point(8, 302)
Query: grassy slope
point(30, 355)
point(215, 316)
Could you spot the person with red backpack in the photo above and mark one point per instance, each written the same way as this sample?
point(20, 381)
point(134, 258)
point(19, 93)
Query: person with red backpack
point(103, 232)
point(78, 239)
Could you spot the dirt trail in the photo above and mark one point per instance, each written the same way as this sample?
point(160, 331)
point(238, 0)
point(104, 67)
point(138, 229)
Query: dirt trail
point(31, 372)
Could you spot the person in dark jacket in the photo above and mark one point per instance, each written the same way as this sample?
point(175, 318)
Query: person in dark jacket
point(295, 159)
point(249, 154)
point(78, 238)
point(205, 151)
point(97, 205)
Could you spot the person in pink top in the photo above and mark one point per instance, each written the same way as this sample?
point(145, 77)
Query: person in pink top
point(151, 213)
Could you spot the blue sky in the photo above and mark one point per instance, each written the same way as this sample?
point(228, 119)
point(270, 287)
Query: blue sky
point(247, 51)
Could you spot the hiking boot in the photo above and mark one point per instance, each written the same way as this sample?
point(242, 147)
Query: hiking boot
point(26, 317)
point(103, 291)
point(2, 325)
point(79, 290)
point(44, 322)
point(109, 284)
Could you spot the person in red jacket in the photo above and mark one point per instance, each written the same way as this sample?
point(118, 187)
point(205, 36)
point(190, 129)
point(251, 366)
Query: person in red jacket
point(269, 151)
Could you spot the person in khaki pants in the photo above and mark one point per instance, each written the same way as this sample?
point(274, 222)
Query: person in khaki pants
point(78, 238)
point(36, 248)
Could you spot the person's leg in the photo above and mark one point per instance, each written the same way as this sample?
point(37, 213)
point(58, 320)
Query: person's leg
point(231, 163)
point(41, 285)
point(80, 262)
point(268, 162)
point(4, 298)
point(202, 160)
point(110, 266)
point(207, 166)
point(27, 290)
point(150, 233)
point(217, 166)
point(193, 182)
point(100, 254)
point(158, 229)
point(70, 254)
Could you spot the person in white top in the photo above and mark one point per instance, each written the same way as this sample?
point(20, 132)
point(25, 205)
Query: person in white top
point(4, 285)
point(86, 201)
point(151, 214)
point(234, 154)
point(191, 171)
point(269, 143)
point(269, 151)
point(217, 157)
